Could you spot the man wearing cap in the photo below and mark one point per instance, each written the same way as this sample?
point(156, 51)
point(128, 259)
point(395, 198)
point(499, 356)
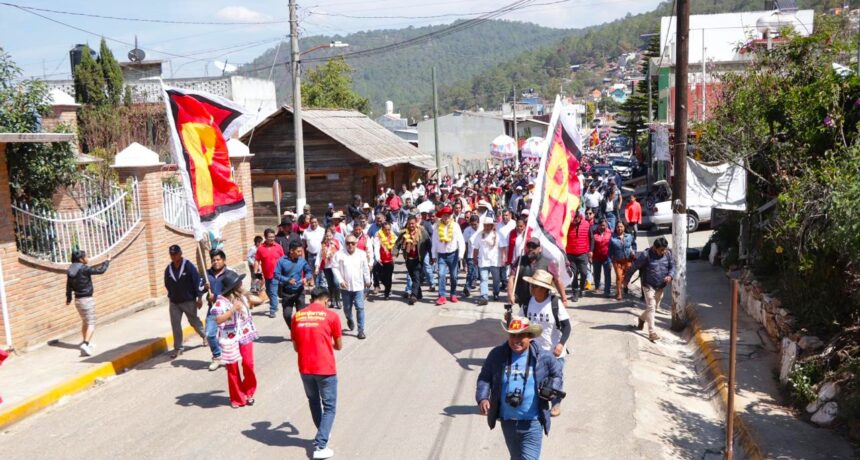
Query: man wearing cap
point(352, 274)
point(545, 310)
point(288, 232)
point(486, 257)
point(509, 389)
point(448, 248)
point(328, 213)
point(184, 288)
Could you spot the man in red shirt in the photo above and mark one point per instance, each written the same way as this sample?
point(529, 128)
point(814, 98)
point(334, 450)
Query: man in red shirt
point(599, 253)
point(267, 257)
point(578, 246)
point(316, 333)
point(633, 214)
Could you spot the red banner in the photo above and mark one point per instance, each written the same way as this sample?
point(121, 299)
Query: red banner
point(199, 125)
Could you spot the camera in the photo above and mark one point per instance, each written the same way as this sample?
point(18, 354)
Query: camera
point(514, 398)
point(549, 393)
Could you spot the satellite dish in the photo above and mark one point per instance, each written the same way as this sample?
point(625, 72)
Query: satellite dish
point(224, 67)
point(137, 54)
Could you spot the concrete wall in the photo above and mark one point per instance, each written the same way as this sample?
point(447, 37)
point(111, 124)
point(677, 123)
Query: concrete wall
point(36, 289)
point(464, 134)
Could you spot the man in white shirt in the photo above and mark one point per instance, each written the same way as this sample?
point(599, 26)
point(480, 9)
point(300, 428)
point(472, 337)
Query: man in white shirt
point(352, 274)
point(485, 210)
point(312, 238)
point(486, 256)
point(471, 268)
point(419, 190)
point(504, 228)
point(592, 199)
point(448, 247)
point(546, 309)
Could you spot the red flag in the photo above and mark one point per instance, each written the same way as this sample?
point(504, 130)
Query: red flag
point(200, 124)
point(557, 189)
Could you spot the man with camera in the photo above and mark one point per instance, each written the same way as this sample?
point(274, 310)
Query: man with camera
point(516, 384)
point(544, 310)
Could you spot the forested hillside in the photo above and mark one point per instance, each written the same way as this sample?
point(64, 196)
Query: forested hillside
point(403, 76)
point(548, 69)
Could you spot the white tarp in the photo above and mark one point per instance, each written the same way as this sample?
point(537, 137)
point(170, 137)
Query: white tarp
point(721, 186)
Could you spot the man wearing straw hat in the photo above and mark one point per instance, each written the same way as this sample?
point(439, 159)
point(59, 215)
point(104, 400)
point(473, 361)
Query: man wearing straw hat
point(543, 309)
point(515, 385)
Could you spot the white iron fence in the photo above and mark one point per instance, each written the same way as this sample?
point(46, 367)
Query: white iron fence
point(176, 210)
point(97, 228)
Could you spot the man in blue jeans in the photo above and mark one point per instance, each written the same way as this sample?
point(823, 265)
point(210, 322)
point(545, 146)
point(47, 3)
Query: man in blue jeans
point(448, 247)
point(352, 274)
point(267, 257)
point(316, 333)
point(509, 388)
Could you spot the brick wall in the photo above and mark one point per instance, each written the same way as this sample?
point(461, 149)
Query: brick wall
point(36, 289)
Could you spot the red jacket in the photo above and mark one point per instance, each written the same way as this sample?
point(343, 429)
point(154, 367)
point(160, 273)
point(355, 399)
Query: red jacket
point(578, 238)
point(633, 213)
point(601, 245)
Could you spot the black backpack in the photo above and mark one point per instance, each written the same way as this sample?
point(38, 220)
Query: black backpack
point(554, 306)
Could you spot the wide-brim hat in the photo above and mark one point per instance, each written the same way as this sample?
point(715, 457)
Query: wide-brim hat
point(540, 278)
point(337, 215)
point(519, 325)
point(484, 204)
point(445, 210)
point(230, 280)
point(488, 221)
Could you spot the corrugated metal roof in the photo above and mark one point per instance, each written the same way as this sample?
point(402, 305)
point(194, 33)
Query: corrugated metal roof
point(365, 137)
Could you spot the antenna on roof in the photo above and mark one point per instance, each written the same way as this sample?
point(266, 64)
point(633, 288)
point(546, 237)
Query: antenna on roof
point(137, 54)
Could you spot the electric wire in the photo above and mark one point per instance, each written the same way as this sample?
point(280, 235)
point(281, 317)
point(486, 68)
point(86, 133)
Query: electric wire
point(159, 21)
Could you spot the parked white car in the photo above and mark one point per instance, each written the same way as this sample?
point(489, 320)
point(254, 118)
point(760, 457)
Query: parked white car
point(661, 216)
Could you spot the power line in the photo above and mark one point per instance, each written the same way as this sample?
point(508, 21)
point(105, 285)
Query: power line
point(437, 16)
point(160, 21)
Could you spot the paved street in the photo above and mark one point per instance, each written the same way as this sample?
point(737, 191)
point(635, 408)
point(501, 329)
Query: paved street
point(405, 392)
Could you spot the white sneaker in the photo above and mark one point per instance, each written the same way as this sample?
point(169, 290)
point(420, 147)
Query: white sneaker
point(215, 364)
point(87, 350)
point(323, 453)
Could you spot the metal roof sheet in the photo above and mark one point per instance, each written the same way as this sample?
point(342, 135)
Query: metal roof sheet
point(365, 137)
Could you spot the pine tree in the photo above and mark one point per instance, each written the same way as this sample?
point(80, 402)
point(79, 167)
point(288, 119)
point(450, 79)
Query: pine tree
point(89, 80)
point(112, 74)
point(634, 111)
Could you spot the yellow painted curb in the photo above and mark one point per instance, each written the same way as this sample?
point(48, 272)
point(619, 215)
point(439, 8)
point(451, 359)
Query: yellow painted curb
point(86, 379)
point(742, 430)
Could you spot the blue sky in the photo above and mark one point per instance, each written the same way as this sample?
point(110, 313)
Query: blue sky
point(41, 47)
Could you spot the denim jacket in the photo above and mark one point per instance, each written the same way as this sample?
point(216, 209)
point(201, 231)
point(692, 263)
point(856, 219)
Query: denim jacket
point(621, 247)
point(490, 380)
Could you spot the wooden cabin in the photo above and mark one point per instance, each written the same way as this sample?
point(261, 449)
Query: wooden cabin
point(346, 153)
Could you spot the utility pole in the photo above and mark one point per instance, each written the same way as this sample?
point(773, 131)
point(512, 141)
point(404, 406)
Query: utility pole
point(679, 184)
point(299, 141)
point(436, 126)
point(514, 113)
point(704, 79)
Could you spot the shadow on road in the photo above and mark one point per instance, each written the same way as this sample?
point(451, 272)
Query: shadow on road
point(453, 411)
point(190, 364)
point(694, 435)
point(207, 400)
point(456, 338)
point(283, 435)
point(614, 327)
point(271, 339)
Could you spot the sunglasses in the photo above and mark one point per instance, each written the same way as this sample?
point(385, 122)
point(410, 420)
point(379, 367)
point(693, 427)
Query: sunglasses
point(350, 243)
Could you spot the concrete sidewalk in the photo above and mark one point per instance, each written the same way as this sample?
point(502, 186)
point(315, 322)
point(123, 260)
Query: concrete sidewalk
point(30, 382)
point(765, 424)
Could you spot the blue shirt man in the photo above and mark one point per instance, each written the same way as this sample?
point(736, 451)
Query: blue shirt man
point(519, 378)
point(291, 272)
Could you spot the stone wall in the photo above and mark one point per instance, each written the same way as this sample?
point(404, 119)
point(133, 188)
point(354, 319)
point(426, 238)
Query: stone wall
point(36, 289)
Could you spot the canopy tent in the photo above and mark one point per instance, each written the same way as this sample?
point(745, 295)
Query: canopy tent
point(503, 148)
point(534, 148)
